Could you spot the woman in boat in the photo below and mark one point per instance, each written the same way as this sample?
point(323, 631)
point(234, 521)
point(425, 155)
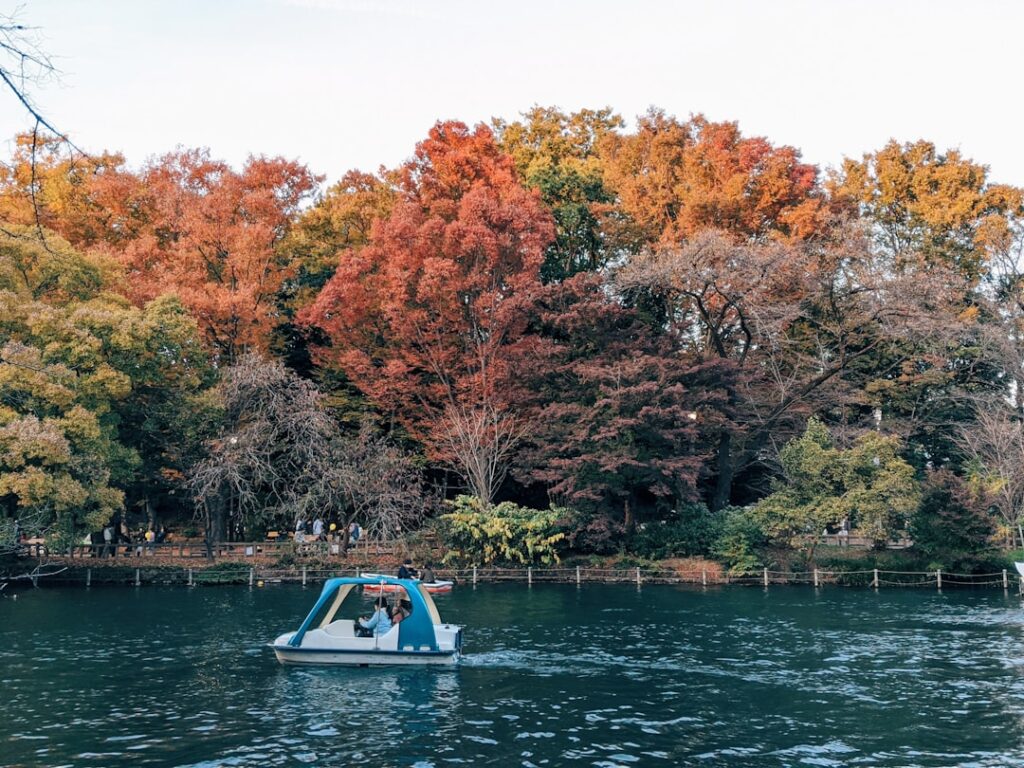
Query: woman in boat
point(400, 610)
point(379, 623)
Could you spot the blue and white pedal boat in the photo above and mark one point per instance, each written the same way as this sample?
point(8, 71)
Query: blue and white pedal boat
point(421, 638)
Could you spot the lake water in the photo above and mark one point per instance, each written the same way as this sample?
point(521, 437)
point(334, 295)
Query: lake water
point(602, 675)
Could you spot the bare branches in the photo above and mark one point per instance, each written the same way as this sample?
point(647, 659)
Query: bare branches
point(480, 441)
point(280, 457)
point(995, 445)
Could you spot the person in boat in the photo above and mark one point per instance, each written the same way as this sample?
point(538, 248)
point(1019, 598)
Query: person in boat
point(379, 623)
point(427, 575)
point(406, 570)
point(400, 610)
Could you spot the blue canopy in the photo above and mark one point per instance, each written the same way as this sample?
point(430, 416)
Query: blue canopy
point(416, 630)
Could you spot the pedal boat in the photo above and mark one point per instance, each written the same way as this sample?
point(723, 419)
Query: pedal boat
point(433, 587)
point(421, 638)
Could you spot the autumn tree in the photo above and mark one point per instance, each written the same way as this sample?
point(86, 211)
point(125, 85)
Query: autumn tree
point(185, 223)
point(792, 322)
point(340, 220)
point(419, 319)
point(928, 206)
point(613, 409)
point(674, 179)
point(557, 154)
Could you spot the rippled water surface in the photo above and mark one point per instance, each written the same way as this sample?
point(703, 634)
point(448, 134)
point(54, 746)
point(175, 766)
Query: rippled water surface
point(554, 675)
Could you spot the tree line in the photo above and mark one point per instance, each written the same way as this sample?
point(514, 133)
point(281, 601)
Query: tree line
point(670, 328)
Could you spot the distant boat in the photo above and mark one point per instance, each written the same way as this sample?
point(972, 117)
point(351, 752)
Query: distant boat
point(420, 638)
point(433, 587)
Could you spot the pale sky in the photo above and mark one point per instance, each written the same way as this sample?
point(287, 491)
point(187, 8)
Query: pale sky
point(343, 84)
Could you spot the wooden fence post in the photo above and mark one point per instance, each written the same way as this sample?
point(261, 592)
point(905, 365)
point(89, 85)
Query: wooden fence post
point(303, 575)
point(638, 575)
point(137, 577)
point(252, 576)
point(704, 576)
point(88, 577)
point(766, 577)
point(577, 575)
point(875, 582)
point(938, 579)
point(815, 577)
point(1006, 581)
point(474, 575)
point(529, 575)
point(190, 577)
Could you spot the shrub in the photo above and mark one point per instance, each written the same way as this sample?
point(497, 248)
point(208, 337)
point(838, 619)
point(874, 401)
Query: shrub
point(691, 531)
point(741, 540)
point(594, 534)
point(506, 533)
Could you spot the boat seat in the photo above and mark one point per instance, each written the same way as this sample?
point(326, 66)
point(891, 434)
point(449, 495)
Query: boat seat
point(341, 628)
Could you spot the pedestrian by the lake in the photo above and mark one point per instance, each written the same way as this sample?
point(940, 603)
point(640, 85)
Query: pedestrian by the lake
point(318, 529)
point(108, 539)
point(300, 531)
point(354, 531)
point(150, 540)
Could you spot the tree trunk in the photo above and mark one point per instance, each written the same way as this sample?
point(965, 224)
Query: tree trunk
point(627, 519)
point(215, 524)
point(726, 471)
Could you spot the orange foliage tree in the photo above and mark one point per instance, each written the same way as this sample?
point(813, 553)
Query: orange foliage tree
point(673, 179)
point(185, 223)
point(419, 319)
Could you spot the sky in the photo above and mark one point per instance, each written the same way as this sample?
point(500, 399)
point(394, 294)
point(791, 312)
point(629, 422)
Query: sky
point(342, 84)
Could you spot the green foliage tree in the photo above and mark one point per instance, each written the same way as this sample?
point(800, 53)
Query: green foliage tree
point(557, 154)
point(505, 533)
point(868, 484)
point(741, 540)
point(85, 380)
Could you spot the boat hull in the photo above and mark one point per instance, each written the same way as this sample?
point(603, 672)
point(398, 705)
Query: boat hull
point(433, 588)
point(310, 656)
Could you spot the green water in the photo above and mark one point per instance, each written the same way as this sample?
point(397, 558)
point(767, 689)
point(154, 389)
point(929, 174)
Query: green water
point(554, 675)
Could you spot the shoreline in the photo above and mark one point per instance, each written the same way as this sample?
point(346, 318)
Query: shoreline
point(138, 574)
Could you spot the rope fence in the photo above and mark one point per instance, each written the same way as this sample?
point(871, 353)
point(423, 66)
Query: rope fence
point(241, 573)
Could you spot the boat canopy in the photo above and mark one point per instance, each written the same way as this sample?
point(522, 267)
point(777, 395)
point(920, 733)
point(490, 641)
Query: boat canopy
point(416, 630)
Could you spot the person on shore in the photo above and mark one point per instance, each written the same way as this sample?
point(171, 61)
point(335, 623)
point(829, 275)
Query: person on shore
point(150, 540)
point(300, 531)
point(406, 570)
point(318, 529)
point(354, 532)
point(379, 623)
point(108, 540)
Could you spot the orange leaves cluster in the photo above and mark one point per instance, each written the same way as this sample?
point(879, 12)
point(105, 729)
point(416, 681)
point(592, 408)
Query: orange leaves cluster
point(419, 316)
point(674, 179)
